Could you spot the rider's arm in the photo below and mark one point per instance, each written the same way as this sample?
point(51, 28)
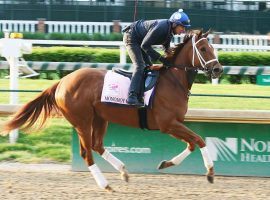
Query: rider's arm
point(154, 36)
point(166, 45)
point(146, 59)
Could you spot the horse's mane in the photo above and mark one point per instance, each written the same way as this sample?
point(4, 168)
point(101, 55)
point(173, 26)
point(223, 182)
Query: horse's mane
point(178, 47)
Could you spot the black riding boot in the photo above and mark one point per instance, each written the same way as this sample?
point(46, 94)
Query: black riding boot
point(134, 95)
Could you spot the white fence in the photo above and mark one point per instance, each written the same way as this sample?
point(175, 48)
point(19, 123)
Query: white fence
point(107, 27)
point(245, 40)
point(60, 26)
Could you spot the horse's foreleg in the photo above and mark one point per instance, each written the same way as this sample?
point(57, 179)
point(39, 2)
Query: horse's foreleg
point(208, 163)
point(116, 163)
point(174, 161)
point(177, 160)
point(99, 130)
point(180, 131)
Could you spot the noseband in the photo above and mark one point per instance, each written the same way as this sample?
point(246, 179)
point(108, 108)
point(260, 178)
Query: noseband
point(201, 59)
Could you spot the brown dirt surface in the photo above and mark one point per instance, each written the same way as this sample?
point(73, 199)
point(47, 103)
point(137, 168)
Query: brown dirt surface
point(51, 181)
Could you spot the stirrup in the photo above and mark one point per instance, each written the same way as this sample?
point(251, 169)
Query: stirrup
point(133, 101)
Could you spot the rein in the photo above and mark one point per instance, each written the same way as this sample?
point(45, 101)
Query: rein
point(191, 71)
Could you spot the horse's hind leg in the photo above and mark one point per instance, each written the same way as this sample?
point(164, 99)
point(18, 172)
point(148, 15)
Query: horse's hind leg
point(82, 121)
point(86, 153)
point(99, 130)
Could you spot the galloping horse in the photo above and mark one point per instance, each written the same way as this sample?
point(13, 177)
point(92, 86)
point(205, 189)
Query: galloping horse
point(78, 97)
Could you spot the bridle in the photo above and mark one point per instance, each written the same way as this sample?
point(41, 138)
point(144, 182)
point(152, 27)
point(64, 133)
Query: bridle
point(200, 57)
point(203, 63)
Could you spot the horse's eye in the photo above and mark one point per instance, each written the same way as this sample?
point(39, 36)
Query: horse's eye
point(203, 49)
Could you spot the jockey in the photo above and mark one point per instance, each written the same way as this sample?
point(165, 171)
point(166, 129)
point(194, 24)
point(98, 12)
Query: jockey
point(139, 38)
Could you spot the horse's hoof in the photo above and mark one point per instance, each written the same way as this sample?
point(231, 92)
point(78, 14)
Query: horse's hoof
point(210, 175)
point(210, 178)
point(109, 189)
point(164, 164)
point(124, 176)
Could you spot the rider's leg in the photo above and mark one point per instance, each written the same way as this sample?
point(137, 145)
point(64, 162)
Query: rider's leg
point(148, 63)
point(135, 54)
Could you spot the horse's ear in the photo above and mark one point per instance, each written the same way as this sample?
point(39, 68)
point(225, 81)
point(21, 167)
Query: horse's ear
point(206, 34)
point(200, 33)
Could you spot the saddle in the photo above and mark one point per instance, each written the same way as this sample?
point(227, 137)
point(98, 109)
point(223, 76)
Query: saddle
point(150, 77)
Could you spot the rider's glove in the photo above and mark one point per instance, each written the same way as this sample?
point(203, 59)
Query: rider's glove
point(165, 61)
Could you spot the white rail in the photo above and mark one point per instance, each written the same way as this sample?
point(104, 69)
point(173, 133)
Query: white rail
point(76, 42)
point(203, 115)
point(246, 40)
point(72, 66)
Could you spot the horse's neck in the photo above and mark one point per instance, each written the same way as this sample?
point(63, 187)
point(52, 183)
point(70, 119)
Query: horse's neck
point(183, 62)
point(176, 78)
point(180, 75)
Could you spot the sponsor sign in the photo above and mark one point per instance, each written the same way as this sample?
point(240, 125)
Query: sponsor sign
point(263, 80)
point(115, 149)
point(236, 149)
point(239, 149)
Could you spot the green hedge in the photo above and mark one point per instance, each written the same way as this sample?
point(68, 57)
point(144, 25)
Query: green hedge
point(74, 36)
point(85, 54)
point(244, 58)
point(71, 36)
point(74, 54)
point(239, 59)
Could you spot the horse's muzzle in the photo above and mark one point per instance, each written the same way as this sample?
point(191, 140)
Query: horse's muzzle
point(217, 71)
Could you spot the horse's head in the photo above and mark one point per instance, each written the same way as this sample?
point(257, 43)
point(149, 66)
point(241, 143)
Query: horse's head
point(198, 53)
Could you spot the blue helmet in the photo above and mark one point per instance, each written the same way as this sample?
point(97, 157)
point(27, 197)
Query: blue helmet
point(180, 18)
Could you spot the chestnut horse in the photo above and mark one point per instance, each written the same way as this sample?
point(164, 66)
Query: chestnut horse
point(78, 97)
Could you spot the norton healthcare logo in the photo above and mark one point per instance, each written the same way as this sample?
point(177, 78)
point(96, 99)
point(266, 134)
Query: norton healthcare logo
point(238, 149)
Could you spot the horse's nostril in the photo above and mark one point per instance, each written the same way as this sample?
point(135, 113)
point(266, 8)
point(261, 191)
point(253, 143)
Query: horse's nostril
point(217, 69)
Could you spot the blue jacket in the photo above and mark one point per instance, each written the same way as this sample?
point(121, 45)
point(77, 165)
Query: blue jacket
point(152, 32)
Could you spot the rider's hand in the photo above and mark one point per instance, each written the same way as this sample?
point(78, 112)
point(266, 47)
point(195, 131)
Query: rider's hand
point(165, 61)
point(169, 51)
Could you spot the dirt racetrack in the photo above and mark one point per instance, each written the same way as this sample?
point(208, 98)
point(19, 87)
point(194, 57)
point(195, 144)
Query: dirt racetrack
point(29, 181)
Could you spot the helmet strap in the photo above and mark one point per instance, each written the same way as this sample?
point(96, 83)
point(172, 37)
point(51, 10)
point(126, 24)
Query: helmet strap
point(174, 25)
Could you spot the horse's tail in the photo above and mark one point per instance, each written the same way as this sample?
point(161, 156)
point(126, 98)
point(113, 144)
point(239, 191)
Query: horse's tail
point(26, 117)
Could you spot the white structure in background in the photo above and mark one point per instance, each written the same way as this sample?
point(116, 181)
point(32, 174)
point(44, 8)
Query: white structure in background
point(107, 27)
point(13, 49)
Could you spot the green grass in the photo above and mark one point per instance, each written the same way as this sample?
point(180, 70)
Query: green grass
point(195, 102)
point(24, 84)
point(230, 102)
point(53, 144)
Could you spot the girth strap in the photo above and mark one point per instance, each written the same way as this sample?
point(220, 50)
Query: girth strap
point(142, 112)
